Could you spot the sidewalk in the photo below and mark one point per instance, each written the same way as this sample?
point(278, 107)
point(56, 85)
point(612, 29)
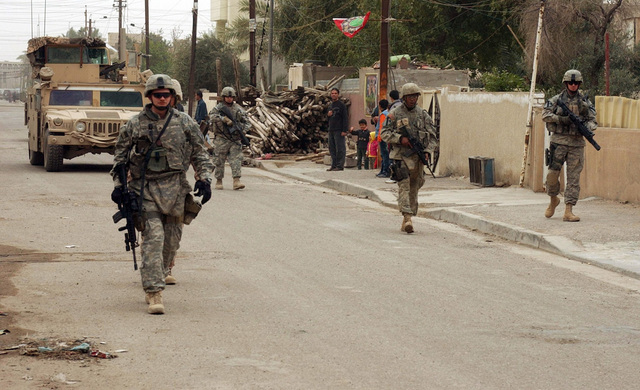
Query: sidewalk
point(607, 236)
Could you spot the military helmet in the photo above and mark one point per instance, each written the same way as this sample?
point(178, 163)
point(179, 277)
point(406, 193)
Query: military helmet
point(572, 75)
point(159, 81)
point(178, 89)
point(228, 91)
point(410, 89)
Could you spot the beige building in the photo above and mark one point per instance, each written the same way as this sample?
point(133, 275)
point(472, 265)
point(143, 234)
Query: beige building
point(224, 12)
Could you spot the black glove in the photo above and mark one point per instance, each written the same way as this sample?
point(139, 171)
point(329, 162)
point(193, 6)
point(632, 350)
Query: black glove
point(116, 195)
point(203, 188)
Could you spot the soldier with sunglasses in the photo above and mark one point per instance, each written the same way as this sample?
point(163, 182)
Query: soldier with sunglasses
point(157, 146)
point(567, 144)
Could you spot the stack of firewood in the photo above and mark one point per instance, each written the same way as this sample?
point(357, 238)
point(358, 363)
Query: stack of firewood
point(292, 122)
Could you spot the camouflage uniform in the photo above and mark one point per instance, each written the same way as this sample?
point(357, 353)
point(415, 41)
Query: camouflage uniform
point(408, 168)
point(226, 144)
point(567, 142)
point(166, 184)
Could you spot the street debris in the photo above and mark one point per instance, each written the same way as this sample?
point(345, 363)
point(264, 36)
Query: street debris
point(99, 354)
point(62, 378)
point(4, 331)
point(59, 349)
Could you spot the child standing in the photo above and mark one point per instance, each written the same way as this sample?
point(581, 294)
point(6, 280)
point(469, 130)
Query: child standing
point(372, 151)
point(363, 141)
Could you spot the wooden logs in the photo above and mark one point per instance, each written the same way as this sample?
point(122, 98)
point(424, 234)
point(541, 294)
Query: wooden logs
point(292, 122)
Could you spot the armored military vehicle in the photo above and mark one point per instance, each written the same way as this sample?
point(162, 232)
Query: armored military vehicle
point(78, 99)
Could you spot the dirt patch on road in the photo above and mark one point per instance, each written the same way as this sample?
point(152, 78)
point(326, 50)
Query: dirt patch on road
point(12, 260)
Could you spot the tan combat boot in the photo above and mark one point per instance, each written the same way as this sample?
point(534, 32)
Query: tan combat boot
point(218, 184)
point(555, 201)
point(169, 279)
point(237, 185)
point(155, 303)
point(407, 225)
point(568, 214)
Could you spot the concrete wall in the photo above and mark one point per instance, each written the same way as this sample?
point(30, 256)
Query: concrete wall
point(494, 125)
point(612, 173)
point(483, 124)
point(425, 78)
point(306, 75)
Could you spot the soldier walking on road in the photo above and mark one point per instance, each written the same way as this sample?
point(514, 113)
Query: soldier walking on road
point(229, 121)
point(567, 144)
point(405, 121)
point(159, 145)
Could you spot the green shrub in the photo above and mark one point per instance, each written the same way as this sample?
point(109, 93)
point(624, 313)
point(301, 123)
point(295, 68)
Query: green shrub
point(503, 81)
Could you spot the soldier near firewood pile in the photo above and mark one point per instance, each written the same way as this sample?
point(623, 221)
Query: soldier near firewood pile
point(411, 134)
point(230, 124)
point(567, 142)
point(157, 147)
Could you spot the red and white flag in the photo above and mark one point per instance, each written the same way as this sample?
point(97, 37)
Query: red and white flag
point(351, 26)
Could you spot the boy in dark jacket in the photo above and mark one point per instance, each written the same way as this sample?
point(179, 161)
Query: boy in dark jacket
point(363, 141)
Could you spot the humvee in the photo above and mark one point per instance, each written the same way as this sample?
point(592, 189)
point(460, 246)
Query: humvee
point(79, 99)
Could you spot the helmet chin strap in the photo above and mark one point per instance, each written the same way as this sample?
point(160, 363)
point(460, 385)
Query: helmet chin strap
point(161, 108)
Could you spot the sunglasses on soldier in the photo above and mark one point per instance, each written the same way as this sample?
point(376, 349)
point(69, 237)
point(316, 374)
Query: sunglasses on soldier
point(573, 82)
point(160, 95)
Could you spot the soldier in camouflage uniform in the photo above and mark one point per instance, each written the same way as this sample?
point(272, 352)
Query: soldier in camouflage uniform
point(169, 141)
point(407, 168)
point(567, 144)
point(227, 142)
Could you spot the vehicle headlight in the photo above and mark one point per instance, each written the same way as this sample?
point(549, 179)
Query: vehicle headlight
point(57, 121)
point(81, 127)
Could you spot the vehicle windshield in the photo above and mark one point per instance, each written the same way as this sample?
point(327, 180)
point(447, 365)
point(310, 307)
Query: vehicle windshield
point(71, 55)
point(85, 98)
point(70, 98)
point(120, 99)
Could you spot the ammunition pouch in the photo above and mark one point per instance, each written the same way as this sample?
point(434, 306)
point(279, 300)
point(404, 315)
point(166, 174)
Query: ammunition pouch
point(158, 161)
point(399, 170)
point(191, 209)
point(548, 155)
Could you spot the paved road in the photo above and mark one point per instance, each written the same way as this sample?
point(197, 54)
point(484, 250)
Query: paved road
point(286, 285)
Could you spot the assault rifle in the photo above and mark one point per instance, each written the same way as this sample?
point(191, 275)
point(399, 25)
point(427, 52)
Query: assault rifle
point(586, 133)
point(418, 148)
point(128, 209)
point(234, 128)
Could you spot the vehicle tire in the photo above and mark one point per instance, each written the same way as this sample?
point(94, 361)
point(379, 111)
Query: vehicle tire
point(36, 158)
point(53, 156)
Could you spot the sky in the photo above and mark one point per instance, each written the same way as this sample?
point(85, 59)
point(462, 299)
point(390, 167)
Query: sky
point(18, 22)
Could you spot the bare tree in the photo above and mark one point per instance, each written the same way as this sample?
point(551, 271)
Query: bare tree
point(573, 35)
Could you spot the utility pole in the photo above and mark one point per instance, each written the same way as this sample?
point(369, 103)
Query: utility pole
point(122, 43)
point(85, 20)
point(532, 90)
point(146, 31)
point(252, 42)
point(270, 68)
point(192, 71)
point(384, 50)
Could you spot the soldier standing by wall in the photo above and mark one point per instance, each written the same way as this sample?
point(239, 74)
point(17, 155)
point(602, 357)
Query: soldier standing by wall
point(567, 144)
point(158, 145)
point(404, 121)
point(227, 141)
